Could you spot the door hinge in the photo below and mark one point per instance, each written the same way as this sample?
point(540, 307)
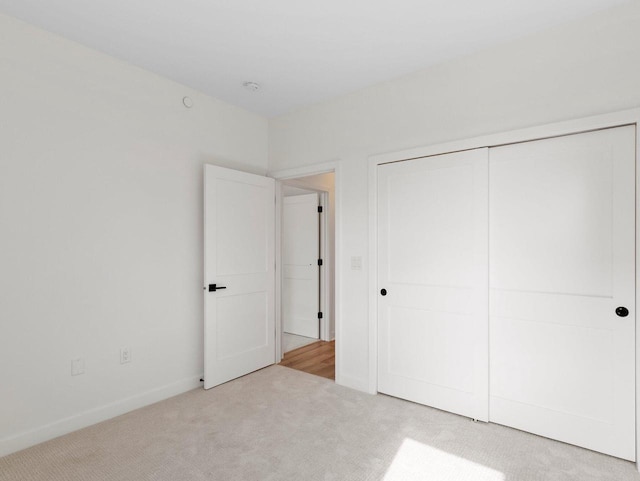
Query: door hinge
point(319, 262)
point(319, 315)
point(319, 209)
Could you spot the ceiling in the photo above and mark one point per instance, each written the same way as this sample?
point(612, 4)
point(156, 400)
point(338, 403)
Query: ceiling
point(300, 52)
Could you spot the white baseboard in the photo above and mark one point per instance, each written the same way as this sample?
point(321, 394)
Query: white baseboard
point(353, 383)
point(92, 416)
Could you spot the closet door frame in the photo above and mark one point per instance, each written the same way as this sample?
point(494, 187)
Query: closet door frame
point(576, 126)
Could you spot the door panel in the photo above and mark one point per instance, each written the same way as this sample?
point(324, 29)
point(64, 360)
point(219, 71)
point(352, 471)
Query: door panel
point(562, 256)
point(433, 254)
point(249, 331)
point(241, 222)
point(239, 325)
point(300, 253)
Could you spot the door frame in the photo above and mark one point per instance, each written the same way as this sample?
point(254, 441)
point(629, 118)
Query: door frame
point(575, 126)
point(286, 174)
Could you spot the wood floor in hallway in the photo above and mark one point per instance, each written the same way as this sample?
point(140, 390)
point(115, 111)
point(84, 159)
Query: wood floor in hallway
point(318, 358)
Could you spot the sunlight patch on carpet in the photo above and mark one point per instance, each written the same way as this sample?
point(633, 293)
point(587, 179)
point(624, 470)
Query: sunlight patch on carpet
point(416, 461)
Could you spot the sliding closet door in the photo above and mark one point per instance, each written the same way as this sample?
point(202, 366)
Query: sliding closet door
point(562, 303)
point(433, 283)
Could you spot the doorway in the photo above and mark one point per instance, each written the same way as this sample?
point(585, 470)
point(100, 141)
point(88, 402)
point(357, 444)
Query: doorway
point(307, 274)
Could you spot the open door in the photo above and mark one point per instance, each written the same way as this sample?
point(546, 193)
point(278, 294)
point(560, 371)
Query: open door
point(239, 291)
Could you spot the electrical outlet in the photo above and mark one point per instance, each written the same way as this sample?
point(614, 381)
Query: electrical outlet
point(356, 263)
point(125, 355)
point(77, 366)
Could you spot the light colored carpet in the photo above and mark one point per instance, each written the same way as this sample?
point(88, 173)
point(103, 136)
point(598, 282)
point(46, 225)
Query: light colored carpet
point(293, 341)
point(281, 424)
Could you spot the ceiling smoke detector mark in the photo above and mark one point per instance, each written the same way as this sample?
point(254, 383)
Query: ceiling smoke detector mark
point(251, 86)
point(188, 103)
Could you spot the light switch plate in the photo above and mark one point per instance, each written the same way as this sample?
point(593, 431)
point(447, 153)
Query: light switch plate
point(125, 355)
point(77, 366)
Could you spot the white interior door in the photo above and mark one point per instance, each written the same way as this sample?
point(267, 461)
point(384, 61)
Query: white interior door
point(300, 254)
point(239, 327)
point(562, 260)
point(432, 263)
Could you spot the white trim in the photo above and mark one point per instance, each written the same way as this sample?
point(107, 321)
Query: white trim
point(322, 168)
point(93, 416)
point(278, 270)
point(327, 260)
point(372, 387)
point(353, 382)
point(637, 291)
point(604, 121)
point(609, 120)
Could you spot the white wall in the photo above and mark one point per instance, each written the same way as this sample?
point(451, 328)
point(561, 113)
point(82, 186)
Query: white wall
point(584, 68)
point(100, 230)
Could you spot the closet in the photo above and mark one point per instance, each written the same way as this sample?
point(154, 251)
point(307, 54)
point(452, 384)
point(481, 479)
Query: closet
point(506, 280)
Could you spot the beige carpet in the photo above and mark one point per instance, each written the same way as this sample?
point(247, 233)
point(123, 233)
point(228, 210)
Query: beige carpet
point(281, 424)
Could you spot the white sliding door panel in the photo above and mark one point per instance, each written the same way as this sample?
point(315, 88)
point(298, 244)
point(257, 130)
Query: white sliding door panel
point(562, 255)
point(239, 326)
point(300, 254)
point(432, 261)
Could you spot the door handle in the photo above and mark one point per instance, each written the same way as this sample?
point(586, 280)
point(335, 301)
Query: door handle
point(213, 287)
point(622, 311)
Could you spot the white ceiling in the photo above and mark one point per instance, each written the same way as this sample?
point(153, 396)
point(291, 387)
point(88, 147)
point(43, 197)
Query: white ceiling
point(299, 51)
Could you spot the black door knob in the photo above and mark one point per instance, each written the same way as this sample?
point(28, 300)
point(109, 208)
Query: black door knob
point(622, 311)
point(383, 292)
